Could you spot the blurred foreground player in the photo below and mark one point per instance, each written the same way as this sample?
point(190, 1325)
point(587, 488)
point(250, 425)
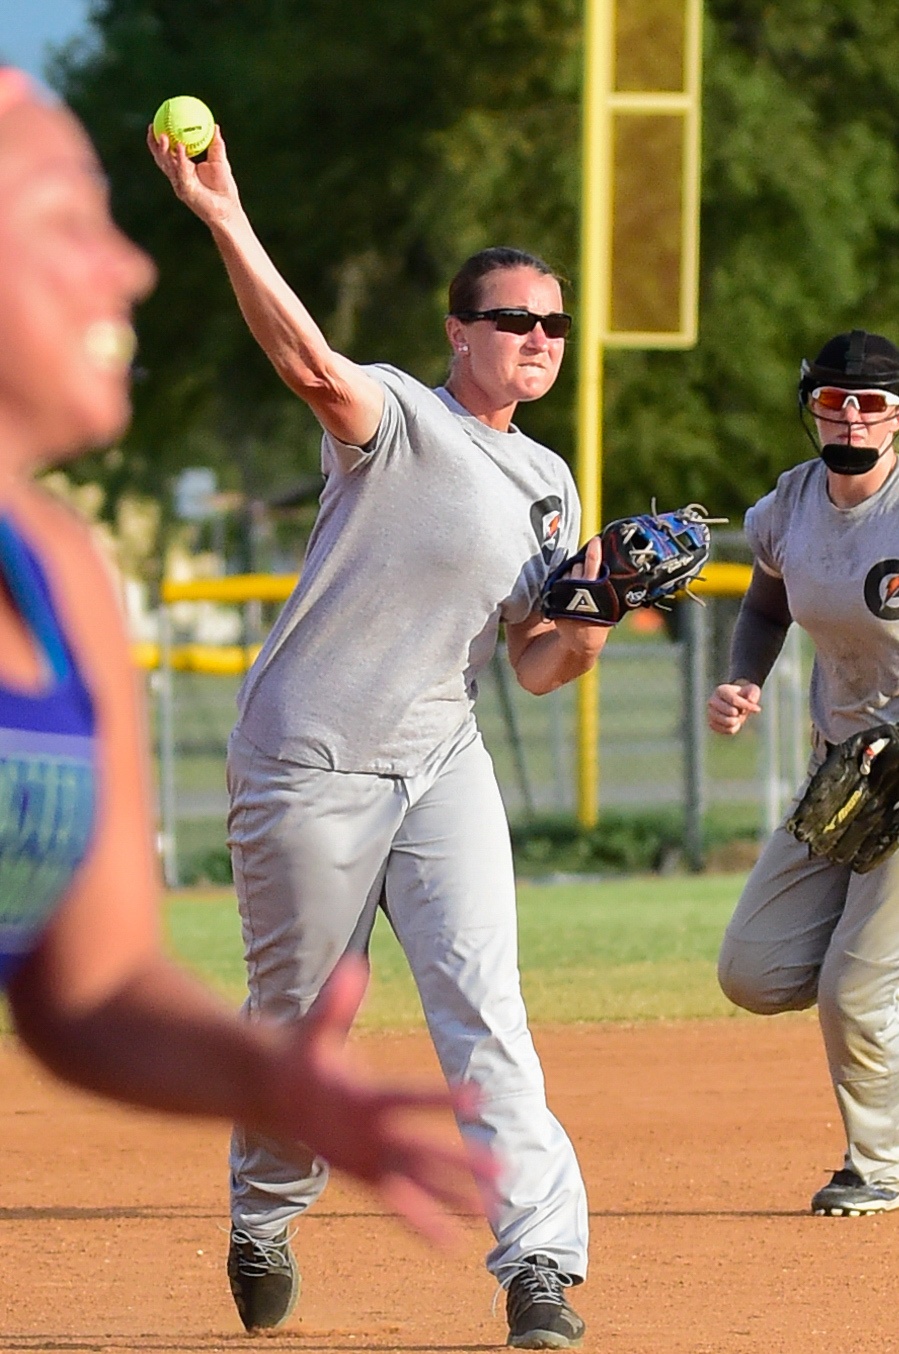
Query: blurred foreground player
point(90, 991)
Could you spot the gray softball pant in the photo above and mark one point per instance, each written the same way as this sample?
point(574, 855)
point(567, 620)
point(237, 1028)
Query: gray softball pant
point(314, 854)
point(807, 931)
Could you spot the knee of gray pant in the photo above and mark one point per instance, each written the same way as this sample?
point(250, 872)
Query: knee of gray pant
point(861, 1006)
point(759, 987)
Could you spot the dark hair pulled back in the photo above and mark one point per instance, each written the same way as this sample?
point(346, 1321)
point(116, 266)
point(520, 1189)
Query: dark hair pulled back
point(465, 288)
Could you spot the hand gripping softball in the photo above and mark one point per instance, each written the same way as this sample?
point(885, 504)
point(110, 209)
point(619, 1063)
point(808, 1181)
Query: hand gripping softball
point(645, 559)
point(850, 810)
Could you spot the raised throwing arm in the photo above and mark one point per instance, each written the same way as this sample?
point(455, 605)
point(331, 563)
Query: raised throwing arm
point(346, 401)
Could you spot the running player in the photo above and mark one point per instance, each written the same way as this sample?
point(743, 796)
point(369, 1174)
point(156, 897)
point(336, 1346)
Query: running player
point(80, 956)
point(806, 930)
point(357, 774)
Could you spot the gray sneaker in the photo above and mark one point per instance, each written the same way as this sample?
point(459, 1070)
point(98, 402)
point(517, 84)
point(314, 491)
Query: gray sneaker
point(538, 1315)
point(265, 1281)
point(849, 1196)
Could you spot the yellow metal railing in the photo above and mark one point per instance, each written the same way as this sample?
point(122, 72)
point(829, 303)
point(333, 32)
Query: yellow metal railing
point(226, 660)
point(217, 660)
point(719, 580)
point(234, 588)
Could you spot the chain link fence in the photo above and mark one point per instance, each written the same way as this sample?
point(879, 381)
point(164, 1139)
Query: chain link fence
point(654, 754)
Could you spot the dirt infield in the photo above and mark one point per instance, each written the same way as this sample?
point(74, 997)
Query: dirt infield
point(701, 1144)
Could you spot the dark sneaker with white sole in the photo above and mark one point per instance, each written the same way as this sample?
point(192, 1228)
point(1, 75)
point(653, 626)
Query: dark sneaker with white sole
point(849, 1196)
point(538, 1314)
point(265, 1281)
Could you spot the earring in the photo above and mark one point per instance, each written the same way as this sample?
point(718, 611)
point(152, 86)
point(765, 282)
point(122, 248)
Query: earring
point(463, 347)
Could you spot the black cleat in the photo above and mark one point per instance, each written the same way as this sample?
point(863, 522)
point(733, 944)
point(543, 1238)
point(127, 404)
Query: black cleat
point(538, 1315)
point(849, 1196)
point(265, 1281)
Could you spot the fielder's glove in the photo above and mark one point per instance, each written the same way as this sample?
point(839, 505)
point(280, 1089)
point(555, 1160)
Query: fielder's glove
point(644, 560)
point(850, 810)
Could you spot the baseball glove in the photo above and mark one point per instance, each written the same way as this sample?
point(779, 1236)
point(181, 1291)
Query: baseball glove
point(644, 560)
point(850, 810)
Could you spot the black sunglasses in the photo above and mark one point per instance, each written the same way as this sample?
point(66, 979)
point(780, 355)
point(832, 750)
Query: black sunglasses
point(513, 320)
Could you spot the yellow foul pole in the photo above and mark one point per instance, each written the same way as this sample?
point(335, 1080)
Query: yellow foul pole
point(592, 309)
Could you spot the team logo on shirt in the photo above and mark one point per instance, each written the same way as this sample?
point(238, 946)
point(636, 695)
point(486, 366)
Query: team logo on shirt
point(882, 590)
point(546, 519)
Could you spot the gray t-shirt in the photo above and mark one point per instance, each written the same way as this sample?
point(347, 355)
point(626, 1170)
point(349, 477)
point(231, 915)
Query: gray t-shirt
point(427, 538)
point(840, 567)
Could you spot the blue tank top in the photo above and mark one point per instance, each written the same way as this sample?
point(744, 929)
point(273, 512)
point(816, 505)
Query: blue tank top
point(47, 767)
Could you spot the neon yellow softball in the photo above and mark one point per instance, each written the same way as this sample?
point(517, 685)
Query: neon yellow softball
point(186, 120)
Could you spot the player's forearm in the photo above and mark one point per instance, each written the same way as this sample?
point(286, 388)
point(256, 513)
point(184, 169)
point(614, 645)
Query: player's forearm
point(344, 398)
point(550, 660)
point(761, 628)
point(277, 318)
point(161, 1042)
point(757, 641)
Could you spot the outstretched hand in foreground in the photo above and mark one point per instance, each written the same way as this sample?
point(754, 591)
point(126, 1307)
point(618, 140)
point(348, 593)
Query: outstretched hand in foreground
point(377, 1132)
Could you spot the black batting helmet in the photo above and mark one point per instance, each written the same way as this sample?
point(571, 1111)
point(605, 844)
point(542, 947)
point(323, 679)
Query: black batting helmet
point(853, 361)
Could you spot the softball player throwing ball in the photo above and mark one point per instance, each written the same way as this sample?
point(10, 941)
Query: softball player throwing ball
point(90, 990)
point(357, 774)
point(807, 929)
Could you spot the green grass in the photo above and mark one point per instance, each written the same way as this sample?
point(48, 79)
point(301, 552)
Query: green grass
point(629, 948)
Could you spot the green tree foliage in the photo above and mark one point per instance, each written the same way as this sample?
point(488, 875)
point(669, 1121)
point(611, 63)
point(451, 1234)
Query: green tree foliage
point(799, 227)
point(374, 147)
point(379, 142)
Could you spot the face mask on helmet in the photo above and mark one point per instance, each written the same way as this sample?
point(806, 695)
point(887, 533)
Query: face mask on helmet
point(853, 361)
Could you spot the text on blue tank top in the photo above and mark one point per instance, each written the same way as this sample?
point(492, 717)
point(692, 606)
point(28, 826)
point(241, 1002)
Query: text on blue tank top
point(47, 767)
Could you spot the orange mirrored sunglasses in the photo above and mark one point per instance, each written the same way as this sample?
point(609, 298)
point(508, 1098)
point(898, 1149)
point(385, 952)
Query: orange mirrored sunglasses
point(865, 401)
